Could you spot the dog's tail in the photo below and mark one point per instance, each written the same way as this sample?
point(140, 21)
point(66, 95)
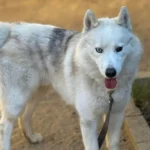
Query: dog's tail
point(5, 29)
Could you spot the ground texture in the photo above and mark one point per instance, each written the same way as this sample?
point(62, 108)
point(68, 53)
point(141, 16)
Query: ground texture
point(60, 126)
point(55, 120)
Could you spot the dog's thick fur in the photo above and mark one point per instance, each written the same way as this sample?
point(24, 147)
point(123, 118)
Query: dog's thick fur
point(34, 55)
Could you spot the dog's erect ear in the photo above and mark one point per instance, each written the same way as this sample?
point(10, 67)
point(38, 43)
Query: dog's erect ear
point(123, 18)
point(90, 21)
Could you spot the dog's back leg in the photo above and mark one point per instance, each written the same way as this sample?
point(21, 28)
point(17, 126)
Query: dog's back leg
point(12, 104)
point(26, 124)
point(6, 127)
point(17, 83)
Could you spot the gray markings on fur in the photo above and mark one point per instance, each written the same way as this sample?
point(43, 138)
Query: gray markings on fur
point(58, 44)
point(41, 55)
point(55, 45)
point(56, 40)
point(69, 39)
point(29, 45)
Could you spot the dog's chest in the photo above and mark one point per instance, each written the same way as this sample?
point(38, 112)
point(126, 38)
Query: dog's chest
point(100, 102)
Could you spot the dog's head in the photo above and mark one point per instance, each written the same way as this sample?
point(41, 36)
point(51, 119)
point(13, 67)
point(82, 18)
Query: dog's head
point(108, 42)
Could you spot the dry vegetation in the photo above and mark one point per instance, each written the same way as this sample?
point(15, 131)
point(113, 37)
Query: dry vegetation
point(141, 95)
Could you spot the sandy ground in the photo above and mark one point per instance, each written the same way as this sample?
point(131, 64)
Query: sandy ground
point(55, 120)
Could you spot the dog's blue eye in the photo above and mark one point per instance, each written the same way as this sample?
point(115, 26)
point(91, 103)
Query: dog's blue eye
point(119, 49)
point(99, 50)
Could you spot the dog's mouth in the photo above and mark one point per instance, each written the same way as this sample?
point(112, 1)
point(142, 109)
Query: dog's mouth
point(110, 83)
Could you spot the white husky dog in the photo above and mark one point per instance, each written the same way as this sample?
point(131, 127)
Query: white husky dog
point(82, 67)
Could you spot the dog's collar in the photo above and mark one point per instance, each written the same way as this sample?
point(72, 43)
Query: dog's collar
point(104, 130)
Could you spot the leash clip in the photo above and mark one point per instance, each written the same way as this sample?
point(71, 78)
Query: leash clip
point(111, 100)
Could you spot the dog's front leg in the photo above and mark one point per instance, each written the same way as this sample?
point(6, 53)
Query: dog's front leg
point(113, 136)
point(88, 124)
point(89, 134)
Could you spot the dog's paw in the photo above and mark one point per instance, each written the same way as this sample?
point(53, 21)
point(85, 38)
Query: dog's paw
point(35, 138)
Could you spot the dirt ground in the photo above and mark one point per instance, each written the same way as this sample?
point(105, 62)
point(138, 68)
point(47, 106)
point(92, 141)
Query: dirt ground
point(59, 125)
point(55, 120)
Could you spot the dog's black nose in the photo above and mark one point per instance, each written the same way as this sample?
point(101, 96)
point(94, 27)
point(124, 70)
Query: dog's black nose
point(110, 72)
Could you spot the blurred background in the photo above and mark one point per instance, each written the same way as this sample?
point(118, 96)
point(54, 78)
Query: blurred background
point(60, 125)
